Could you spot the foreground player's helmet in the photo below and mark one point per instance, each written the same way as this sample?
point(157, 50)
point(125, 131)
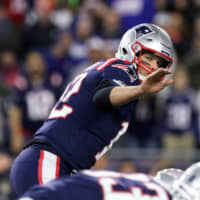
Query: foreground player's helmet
point(188, 186)
point(166, 177)
point(149, 38)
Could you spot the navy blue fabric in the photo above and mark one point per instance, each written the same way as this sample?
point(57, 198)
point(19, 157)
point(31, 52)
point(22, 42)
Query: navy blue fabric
point(83, 135)
point(24, 171)
point(43, 98)
point(82, 186)
point(88, 129)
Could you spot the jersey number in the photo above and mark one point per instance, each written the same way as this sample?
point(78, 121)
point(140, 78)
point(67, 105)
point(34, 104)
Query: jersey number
point(133, 192)
point(72, 88)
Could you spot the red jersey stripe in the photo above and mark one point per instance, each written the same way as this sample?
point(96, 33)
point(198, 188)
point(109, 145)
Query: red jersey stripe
point(106, 63)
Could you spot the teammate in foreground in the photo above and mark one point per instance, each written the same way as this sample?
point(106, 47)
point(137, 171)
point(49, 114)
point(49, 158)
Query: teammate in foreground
point(169, 184)
point(95, 109)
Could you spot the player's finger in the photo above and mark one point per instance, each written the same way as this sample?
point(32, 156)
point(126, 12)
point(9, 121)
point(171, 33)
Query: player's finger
point(161, 72)
point(158, 74)
point(168, 82)
point(166, 71)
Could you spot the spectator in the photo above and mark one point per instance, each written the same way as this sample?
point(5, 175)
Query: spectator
point(110, 46)
point(33, 89)
point(143, 133)
point(174, 23)
point(197, 6)
point(111, 26)
point(9, 68)
point(133, 13)
point(96, 49)
point(62, 17)
point(16, 10)
point(58, 58)
point(84, 28)
point(197, 25)
point(5, 154)
point(186, 8)
point(4, 123)
point(192, 61)
point(9, 34)
point(39, 33)
point(97, 10)
point(161, 5)
point(180, 115)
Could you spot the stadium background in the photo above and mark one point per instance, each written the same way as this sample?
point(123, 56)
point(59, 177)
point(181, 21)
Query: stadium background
point(55, 39)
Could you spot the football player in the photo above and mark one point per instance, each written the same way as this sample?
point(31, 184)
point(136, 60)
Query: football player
point(168, 184)
point(95, 109)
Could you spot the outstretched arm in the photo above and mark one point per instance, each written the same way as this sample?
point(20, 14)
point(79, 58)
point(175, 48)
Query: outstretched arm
point(153, 83)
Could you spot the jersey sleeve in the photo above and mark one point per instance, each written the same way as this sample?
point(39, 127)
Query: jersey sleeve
point(120, 74)
point(113, 74)
point(117, 76)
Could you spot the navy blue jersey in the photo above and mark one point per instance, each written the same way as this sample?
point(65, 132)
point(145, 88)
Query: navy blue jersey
point(35, 103)
point(79, 131)
point(181, 104)
point(101, 185)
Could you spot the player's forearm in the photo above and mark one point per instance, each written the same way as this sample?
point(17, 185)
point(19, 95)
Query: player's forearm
point(122, 95)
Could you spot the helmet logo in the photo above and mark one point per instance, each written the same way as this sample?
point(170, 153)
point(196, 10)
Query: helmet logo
point(142, 30)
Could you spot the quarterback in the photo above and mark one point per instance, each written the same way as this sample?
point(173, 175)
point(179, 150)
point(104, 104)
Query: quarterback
point(95, 109)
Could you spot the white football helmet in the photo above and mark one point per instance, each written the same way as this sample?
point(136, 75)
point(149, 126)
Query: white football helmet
point(188, 186)
point(145, 37)
point(166, 177)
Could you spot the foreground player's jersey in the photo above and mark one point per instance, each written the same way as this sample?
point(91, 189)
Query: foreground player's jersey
point(101, 185)
point(79, 131)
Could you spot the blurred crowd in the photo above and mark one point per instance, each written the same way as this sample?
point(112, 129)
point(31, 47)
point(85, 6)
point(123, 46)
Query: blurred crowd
point(45, 43)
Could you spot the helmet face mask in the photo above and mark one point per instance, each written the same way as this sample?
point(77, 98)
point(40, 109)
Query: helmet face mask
point(145, 37)
point(188, 186)
point(167, 177)
point(182, 185)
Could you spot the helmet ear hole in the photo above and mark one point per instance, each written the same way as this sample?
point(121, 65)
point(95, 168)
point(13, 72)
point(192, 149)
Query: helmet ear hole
point(124, 51)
